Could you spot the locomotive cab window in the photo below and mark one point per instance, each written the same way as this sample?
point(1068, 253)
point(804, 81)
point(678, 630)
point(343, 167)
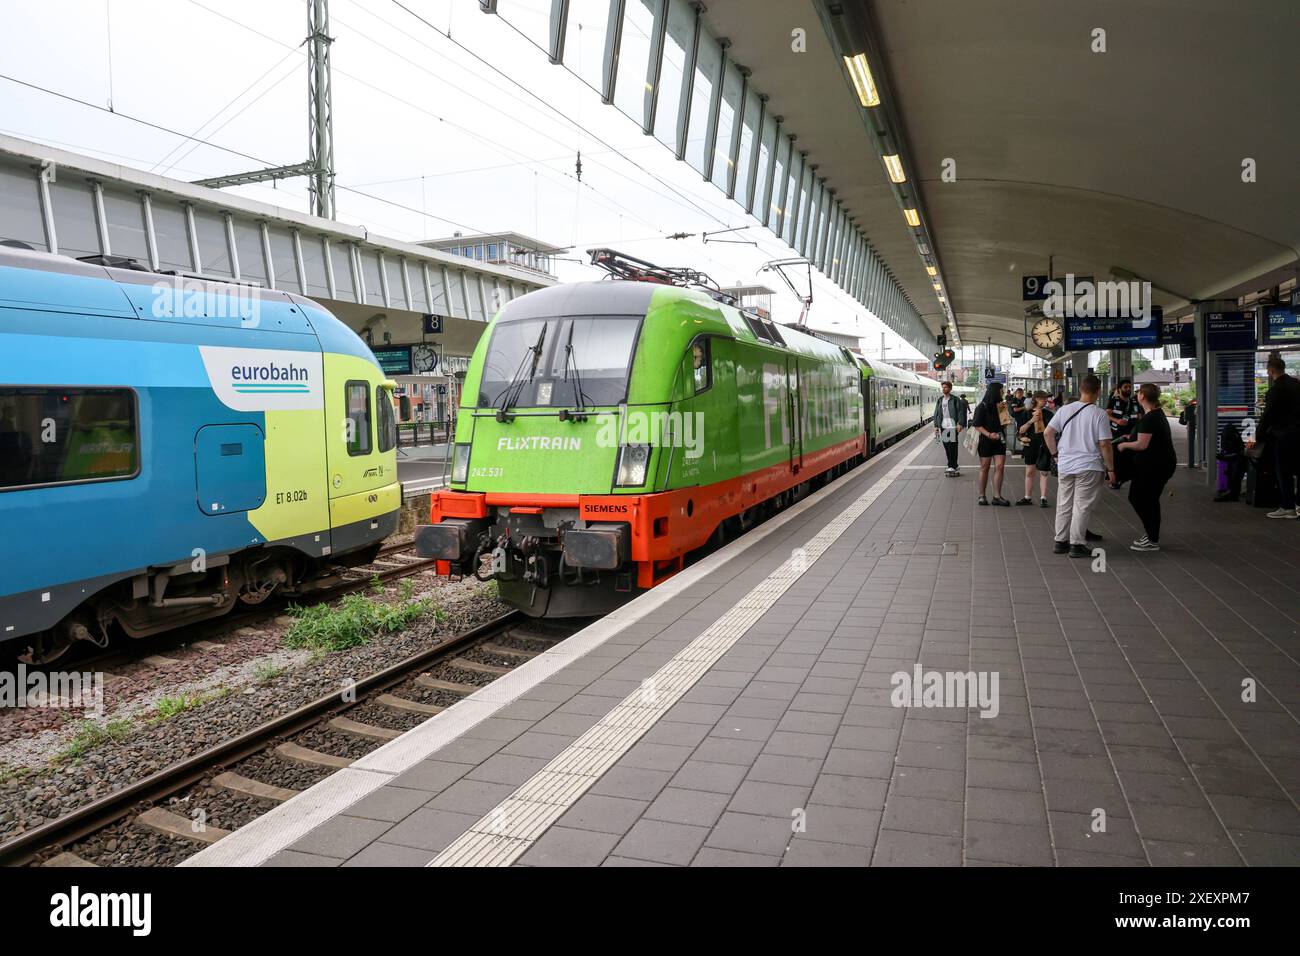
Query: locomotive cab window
point(385, 419)
point(562, 362)
point(701, 356)
point(57, 436)
point(357, 405)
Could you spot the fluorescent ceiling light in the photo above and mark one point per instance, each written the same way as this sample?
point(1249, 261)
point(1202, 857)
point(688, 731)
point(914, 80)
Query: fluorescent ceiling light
point(860, 74)
point(931, 270)
point(912, 216)
point(894, 166)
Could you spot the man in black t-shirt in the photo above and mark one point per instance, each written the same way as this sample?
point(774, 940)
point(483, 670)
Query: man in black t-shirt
point(1122, 410)
point(1152, 447)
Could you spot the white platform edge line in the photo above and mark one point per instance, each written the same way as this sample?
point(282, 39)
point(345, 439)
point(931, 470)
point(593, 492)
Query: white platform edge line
point(500, 837)
point(256, 842)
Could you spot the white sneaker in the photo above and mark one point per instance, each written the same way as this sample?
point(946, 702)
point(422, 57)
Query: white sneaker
point(1285, 513)
point(1144, 545)
point(1138, 542)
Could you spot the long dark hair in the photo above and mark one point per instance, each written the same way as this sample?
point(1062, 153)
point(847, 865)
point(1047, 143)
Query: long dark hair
point(992, 396)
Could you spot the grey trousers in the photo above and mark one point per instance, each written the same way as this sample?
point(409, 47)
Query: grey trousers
point(1075, 496)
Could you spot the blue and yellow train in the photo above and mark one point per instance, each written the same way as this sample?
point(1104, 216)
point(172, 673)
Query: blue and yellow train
point(171, 447)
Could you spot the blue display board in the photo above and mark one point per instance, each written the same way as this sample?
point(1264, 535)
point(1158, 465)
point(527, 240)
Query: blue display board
point(394, 359)
point(1111, 333)
point(1281, 325)
point(1230, 331)
point(1236, 396)
point(1178, 333)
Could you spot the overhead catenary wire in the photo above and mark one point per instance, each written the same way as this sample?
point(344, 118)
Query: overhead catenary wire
point(505, 150)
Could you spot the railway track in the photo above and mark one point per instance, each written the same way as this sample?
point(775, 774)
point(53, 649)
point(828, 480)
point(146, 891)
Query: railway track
point(393, 563)
point(245, 771)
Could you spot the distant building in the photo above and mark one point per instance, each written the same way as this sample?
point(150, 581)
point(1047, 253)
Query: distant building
point(755, 298)
point(502, 248)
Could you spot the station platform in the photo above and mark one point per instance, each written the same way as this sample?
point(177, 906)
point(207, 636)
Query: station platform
point(743, 714)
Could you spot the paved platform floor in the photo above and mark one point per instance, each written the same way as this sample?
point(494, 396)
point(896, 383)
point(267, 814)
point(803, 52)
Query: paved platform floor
point(1146, 713)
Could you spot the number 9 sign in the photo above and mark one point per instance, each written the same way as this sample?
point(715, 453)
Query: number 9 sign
point(1032, 288)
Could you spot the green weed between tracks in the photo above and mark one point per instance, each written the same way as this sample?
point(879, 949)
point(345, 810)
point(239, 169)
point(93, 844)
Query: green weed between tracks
point(88, 735)
point(355, 620)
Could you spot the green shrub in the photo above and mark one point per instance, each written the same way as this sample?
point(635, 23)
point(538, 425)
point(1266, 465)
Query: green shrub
point(353, 622)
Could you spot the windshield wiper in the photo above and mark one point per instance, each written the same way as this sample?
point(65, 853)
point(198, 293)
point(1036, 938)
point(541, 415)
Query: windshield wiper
point(515, 387)
point(579, 411)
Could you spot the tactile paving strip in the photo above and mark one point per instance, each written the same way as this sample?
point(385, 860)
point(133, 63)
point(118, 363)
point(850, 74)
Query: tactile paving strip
point(503, 834)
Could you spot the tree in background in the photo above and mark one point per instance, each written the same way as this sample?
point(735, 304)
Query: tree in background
point(1141, 364)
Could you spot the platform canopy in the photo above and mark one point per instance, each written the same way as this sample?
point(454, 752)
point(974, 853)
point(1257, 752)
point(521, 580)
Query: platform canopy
point(1109, 137)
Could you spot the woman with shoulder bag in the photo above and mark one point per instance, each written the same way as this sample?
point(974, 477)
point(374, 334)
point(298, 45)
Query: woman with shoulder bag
point(1038, 460)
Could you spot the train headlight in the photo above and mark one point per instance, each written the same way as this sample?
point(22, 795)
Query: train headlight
point(460, 464)
point(632, 463)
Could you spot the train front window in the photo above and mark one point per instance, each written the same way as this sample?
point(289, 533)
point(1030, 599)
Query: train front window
point(357, 425)
point(561, 362)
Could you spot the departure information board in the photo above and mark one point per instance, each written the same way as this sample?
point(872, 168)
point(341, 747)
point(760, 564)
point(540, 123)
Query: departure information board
point(1281, 325)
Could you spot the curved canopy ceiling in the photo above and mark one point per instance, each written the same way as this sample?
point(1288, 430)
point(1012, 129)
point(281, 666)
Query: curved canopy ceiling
point(1129, 158)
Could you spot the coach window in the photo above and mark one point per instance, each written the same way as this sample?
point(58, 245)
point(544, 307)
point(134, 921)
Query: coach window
point(386, 421)
point(358, 412)
point(702, 365)
point(59, 436)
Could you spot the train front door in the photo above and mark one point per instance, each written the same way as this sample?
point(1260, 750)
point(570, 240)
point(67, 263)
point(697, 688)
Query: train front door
point(796, 413)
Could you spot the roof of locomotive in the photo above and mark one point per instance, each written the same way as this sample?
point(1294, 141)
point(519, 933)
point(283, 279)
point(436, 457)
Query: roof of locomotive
point(629, 297)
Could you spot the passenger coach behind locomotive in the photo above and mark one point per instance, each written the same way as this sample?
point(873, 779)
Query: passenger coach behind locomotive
point(169, 448)
point(608, 429)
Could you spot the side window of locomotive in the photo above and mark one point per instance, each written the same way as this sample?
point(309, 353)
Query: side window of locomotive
point(386, 420)
point(54, 436)
point(357, 405)
point(702, 365)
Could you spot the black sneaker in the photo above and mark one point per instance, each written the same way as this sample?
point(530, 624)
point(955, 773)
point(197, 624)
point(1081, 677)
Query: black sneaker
point(1091, 536)
point(1001, 502)
point(1061, 547)
point(982, 500)
point(1043, 503)
point(1080, 551)
point(1025, 501)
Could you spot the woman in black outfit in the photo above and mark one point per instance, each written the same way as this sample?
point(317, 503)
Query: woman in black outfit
point(992, 443)
point(1038, 461)
point(1154, 463)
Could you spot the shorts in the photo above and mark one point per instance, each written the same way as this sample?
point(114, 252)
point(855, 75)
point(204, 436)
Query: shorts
point(990, 447)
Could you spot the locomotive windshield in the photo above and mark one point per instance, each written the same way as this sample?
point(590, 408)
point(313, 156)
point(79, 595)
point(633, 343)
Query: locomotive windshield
point(563, 362)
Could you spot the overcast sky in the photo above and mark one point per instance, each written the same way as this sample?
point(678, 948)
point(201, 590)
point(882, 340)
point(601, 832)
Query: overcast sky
point(436, 139)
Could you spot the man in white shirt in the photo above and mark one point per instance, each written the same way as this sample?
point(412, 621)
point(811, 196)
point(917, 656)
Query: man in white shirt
point(1079, 438)
point(949, 422)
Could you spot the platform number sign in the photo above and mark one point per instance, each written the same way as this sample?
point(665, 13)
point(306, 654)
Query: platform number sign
point(432, 324)
point(1033, 288)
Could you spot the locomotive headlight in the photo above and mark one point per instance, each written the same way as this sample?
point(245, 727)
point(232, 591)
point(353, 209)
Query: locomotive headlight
point(460, 464)
point(632, 463)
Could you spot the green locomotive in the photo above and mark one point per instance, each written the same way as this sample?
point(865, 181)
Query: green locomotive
point(609, 429)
